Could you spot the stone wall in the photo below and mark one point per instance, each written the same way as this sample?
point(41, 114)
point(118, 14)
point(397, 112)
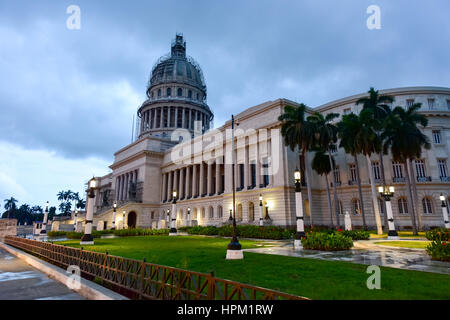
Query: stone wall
point(8, 227)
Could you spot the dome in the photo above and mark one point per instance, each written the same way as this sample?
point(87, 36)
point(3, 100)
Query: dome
point(176, 67)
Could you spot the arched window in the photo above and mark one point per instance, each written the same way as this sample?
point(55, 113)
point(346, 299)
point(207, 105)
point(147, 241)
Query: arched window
point(159, 92)
point(356, 208)
point(211, 212)
point(194, 215)
point(220, 211)
point(190, 94)
point(402, 206)
point(239, 212)
point(169, 92)
point(153, 215)
point(179, 92)
point(251, 211)
point(203, 213)
point(427, 206)
point(341, 209)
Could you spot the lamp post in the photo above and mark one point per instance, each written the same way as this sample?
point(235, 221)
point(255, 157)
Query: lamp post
point(87, 237)
point(168, 219)
point(75, 221)
point(261, 222)
point(114, 216)
point(444, 211)
point(298, 210)
point(44, 223)
point(173, 225)
point(231, 215)
point(387, 192)
point(234, 250)
point(123, 219)
point(188, 217)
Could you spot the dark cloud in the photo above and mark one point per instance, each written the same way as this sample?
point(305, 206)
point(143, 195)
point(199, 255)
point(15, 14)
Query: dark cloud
point(75, 92)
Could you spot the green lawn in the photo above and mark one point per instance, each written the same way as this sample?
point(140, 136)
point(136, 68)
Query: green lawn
point(316, 279)
point(405, 244)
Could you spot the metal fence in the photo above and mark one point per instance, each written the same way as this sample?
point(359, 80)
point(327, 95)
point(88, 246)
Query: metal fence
point(142, 280)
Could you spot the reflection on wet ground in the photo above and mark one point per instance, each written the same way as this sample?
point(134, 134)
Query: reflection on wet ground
point(364, 253)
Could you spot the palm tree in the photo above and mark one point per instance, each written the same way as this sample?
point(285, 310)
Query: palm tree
point(297, 134)
point(368, 142)
point(321, 164)
point(405, 141)
point(325, 137)
point(10, 205)
point(379, 104)
point(349, 128)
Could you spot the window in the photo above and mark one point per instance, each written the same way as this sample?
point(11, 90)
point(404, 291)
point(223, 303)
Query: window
point(241, 175)
point(159, 92)
point(169, 92)
point(251, 211)
point(427, 207)
point(337, 174)
point(448, 104)
point(179, 92)
point(220, 211)
point(397, 168)
point(211, 212)
point(347, 110)
point(437, 136)
point(253, 173)
point(190, 94)
point(356, 208)
point(420, 168)
point(402, 206)
point(203, 213)
point(376, 169)
point(409, 103)
point(341, 210)
point(442, 163)
point(198, 96)
point(352, 172)
point(431, 104)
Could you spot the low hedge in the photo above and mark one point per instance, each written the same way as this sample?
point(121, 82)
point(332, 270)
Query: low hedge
point(77, 235)
point(356, 234)
point(244, 231)
point(140, 232)
point(53, 234)
point(327, 241)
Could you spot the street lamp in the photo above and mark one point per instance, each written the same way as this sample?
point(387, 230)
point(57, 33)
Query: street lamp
point(114, 216)
point(87, 237)
point(75, 221)
point(261, 222)
point(44, 223)
point(234, 249)
point(387, 192)
point(298, 210)
point(173, 226)
point(444, 211)
point(123, 219)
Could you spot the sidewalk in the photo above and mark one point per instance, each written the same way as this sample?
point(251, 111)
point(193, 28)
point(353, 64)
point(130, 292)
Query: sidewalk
point(19, 281)
point(365, 252)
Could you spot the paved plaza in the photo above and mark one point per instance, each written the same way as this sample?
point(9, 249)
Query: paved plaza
point(19, 281)
point(364, 252)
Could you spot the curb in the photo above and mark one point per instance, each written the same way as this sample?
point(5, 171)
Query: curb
point(88, 289)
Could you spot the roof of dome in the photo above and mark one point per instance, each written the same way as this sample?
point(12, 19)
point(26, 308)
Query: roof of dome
point(177, 67)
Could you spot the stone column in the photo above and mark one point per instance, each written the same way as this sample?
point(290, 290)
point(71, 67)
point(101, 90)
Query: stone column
point(181, 184)
point(194, 180)
point(201, 179)
point(188, 181)
point(175, 182)
point(209, 179)
point(176, 117)
point(183, 118)
point(218, 176)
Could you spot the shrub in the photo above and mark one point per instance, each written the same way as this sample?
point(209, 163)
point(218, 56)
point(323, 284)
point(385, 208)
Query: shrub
point(256, 232)
point(327, 241)
point(441, 234)
point(439, 250)
point(74, 235)
point(209, 231)
point(357, 234)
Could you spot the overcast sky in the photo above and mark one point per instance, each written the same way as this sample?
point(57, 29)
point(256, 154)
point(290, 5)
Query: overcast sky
point(67, 97)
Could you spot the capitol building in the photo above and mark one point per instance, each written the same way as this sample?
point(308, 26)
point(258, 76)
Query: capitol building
point(176, 148)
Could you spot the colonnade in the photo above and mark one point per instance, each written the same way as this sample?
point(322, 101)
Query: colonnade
point(172, 117)
point(123, 184)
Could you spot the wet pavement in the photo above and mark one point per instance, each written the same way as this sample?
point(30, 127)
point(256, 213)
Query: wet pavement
point(19, 281)
point(364, 252)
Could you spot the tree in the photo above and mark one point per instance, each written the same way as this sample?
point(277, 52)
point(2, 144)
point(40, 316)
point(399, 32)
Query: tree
point(379, 105)
point(325, 137)
point(348, 130)
point(297, 133)
point(321, 164)
point(405, 141)
point(10, 206)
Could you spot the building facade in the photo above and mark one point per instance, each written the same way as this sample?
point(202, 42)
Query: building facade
point(176, 149)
